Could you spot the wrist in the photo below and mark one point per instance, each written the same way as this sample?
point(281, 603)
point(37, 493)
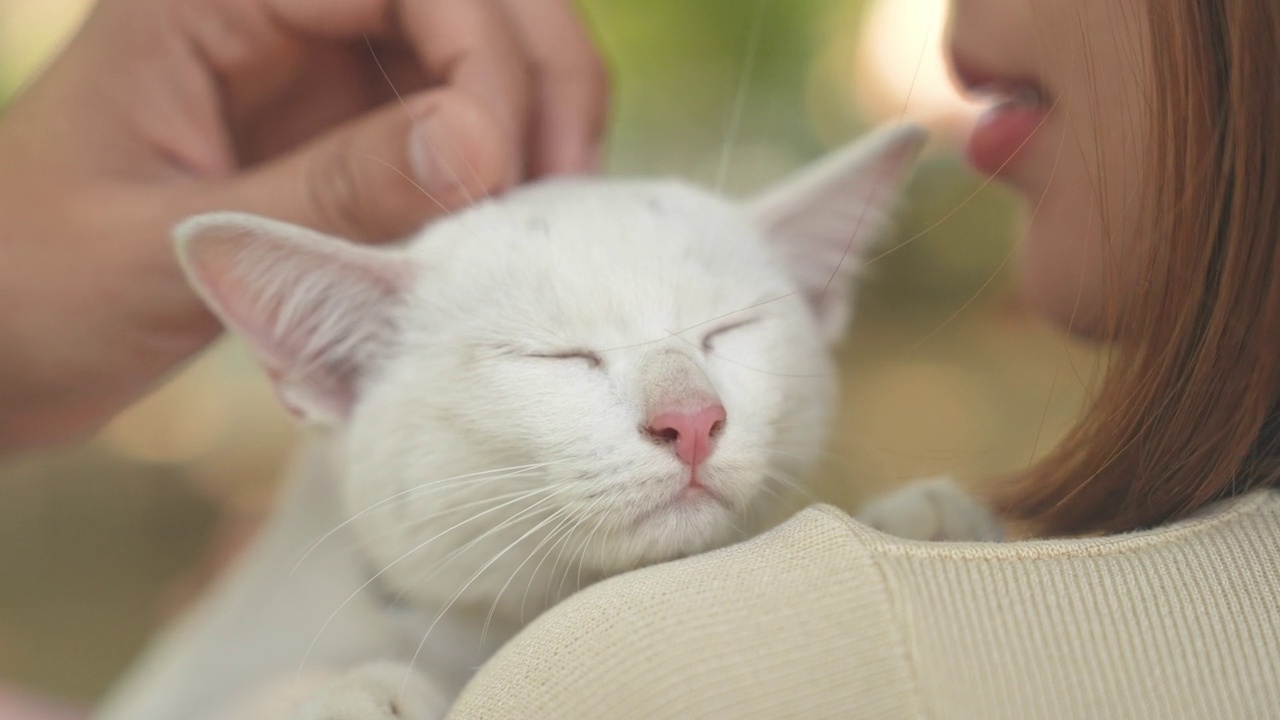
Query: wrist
point(40, 401)
point(92, 309)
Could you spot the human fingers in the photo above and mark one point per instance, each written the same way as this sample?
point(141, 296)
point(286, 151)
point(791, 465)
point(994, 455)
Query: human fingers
point(469, 46)
point(570, 86)
point(382, 175)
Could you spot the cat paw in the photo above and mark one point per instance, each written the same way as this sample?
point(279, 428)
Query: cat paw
point(377, 691)
point(932, 509)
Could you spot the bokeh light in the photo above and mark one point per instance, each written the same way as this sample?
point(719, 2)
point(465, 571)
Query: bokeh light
point(895, 70)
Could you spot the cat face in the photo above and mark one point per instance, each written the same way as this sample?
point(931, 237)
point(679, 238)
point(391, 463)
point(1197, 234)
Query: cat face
point(619, 371)
point(638, 338)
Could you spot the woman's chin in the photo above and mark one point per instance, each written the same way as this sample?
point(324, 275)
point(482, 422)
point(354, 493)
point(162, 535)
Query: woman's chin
point(1061, 276)
point(1062, 298)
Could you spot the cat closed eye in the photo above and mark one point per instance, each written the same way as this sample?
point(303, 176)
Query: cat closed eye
point(591, 358)
point(707, 340)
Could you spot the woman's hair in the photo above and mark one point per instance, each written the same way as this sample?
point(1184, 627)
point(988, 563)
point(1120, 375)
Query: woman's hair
point(1187, 412)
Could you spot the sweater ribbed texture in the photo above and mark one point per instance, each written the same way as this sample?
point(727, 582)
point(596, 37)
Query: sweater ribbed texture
point(826, 618)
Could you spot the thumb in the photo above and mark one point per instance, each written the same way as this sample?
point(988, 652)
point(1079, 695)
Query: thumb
point(382, 174)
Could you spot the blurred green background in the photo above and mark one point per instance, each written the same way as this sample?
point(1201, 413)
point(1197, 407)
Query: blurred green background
point(944, 372)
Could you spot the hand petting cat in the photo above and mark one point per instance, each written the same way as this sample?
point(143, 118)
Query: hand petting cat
point(159, 109)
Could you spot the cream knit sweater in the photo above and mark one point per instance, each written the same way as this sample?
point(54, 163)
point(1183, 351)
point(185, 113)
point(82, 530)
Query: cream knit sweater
point(826, 618)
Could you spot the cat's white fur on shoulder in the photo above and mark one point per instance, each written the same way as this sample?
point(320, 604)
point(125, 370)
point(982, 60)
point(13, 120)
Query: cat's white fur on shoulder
point(570, 381)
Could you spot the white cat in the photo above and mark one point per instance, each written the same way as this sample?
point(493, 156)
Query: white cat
point(576, 379)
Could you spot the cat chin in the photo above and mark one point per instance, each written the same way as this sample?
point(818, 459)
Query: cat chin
point(676, 530)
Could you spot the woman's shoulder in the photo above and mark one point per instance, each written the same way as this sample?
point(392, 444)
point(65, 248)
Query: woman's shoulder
point(825, 612)
point(1174, 621)
point(765, 624)
point(1249, 519)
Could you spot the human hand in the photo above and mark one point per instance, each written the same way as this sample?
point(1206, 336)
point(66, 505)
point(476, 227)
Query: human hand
point(160, 109)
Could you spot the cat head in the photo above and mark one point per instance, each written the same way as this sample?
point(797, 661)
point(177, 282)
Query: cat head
point(642, 361)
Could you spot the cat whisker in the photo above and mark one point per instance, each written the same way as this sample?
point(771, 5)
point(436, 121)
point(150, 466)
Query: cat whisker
point(452, 509)
point(587, 543)
point(696, 325)
point(1053, 173)
point(494, 607)
point(564, 543)
point(747, 367)
point(418, 488)
point(471, 580)
point(982, 187)
point(561, 536)
point(765, 487)
point(395, 562)
point(604, 542)
point(738, 529)
point(584, 515)
point(444, 208)
point(524, 514)
point(579, 519)
point(740, 101)
point(790, 483)
point(876, 186)
point(745, 509)
point(424, 519)
point(557, 594)
point(430, 145)
point(474, 176)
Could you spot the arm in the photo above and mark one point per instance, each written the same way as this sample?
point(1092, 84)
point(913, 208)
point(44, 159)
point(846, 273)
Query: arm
point(163, 108)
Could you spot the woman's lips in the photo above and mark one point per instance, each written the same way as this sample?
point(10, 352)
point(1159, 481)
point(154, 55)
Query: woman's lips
point(1002, 131)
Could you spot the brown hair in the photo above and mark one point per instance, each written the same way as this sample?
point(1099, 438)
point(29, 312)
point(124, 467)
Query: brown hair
point(1187, 412)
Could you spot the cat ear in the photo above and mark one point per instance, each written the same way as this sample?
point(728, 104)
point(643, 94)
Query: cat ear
point(826, 217)
point(314, 310)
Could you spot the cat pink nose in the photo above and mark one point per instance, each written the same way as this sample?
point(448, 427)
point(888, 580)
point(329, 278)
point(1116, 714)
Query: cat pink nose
point(692, 434)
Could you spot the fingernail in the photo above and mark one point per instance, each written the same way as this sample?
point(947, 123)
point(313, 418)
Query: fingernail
point(428, 139)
